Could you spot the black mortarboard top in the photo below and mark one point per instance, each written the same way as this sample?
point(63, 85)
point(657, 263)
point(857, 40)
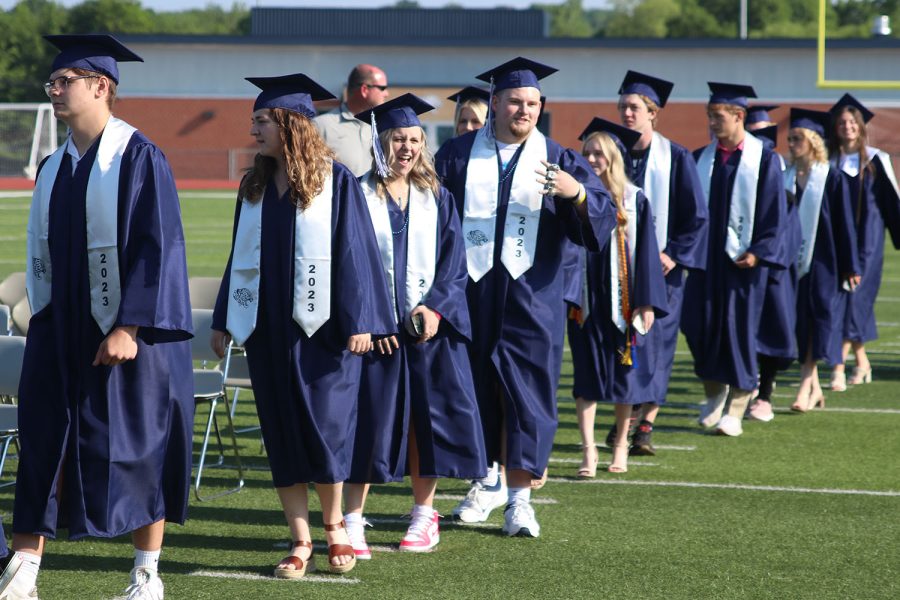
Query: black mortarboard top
point(654, 88)
point(469, 93)
point(848, 100)
point(730, 93)
point(626, 137)
point(517, 73)
point(93, 52)
point(402, 111)
point(759, 113)
point(295, 93)
point(770, 133)
point(814, 120)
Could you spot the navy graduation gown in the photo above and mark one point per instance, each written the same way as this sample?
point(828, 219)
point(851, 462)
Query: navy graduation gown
point(834, 256)
point(723, 304)
point(518, 324)
point(610, 379)
point(429, 384)
point(118, 437)
point(875, 207)
point(777, 332)
point(686, 245)
point(306, 388)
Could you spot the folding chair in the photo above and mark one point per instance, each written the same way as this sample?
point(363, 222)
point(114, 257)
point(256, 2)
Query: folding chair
point(204, 291)
point(5, 320)
point(12, 289)
point(21, 316)
point(209, 386)
point(12, 353)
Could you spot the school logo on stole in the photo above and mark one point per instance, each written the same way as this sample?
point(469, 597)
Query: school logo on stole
point(477, 237)
point(243, 296)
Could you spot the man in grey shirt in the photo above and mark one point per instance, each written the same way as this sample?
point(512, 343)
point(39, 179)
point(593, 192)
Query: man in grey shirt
point(350, 138)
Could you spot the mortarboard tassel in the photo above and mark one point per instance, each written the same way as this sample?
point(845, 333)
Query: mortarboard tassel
point(489, 122)
point(377, 152)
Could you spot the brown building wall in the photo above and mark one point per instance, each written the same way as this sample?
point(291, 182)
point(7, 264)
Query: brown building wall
point(209, 138)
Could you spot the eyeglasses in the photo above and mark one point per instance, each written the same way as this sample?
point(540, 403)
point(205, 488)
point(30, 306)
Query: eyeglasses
point(383, 88)
point(61, 83)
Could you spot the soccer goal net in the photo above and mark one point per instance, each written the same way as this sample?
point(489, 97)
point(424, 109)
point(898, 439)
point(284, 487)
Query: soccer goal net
point(28, 133)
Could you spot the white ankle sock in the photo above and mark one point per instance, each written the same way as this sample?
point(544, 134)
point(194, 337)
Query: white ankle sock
point(26, 577)
point(422, 511)
point(520, 495)
point(492, 476)
point(146, 559)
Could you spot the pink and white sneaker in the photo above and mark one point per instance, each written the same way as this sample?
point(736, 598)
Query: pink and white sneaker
point(423, 533)
point(356, 531)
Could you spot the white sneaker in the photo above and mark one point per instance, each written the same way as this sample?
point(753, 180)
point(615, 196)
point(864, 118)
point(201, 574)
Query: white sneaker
point(8, 591)
point(356, 531)
point(481, 499)
point(519, 520)
point(730, 426)
point(145, 585)
point(423, 534)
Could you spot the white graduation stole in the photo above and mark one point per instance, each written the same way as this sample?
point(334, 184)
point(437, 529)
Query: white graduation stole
point(810, 208)
point(102, 212)
point(523, 212)
point(421, 249)
point(312, 266)
point(742, 211)
point(886, 163)
point(656, 186)
point(618, 287)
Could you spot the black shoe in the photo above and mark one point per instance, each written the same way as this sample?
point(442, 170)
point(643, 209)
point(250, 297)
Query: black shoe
point(640, 441)
point(611, 437)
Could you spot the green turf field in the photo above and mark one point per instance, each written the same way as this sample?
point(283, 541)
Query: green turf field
point(807, 506)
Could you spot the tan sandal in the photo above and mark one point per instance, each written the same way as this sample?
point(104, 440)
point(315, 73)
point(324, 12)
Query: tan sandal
point(619, 463)
point(588, 469)
point(300, 567)
point(335, 550)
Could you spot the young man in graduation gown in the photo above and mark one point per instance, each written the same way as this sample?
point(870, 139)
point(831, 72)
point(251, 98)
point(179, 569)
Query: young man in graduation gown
point(722, 306)
point(667, 174)
point(514, 232)
point(106, 398)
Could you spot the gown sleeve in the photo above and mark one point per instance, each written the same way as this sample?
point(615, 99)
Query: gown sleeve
point(220, 312)
point(153, 266)
point(769, 243)
point(593, 232)
point(649, 283)
point(690, 218)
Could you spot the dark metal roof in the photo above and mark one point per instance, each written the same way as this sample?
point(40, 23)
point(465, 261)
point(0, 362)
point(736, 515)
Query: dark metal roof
point(325, 39)
point(399, 23)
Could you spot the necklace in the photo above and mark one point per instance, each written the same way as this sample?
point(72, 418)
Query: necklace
point(511, 168)
point(406, 220)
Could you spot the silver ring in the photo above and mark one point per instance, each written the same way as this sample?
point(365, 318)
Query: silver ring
point(552, 167)
point(551, 175)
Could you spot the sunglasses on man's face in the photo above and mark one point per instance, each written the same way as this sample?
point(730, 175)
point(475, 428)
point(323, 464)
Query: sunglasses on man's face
point(383, 88)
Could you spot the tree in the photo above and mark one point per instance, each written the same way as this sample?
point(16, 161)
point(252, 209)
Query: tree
point(25, 57)
point(113, 16)
point(642, 18)
point(567, 19)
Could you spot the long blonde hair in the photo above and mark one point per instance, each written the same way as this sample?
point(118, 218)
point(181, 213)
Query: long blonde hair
point(306, 157)
point(423, 175)
point(477, 105)
point(613, 176)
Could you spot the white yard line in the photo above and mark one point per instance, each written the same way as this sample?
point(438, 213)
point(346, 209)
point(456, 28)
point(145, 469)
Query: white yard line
point(458, 497)
point(258, 577)
point(576, 461)
point(730, 486)
point(444, 523)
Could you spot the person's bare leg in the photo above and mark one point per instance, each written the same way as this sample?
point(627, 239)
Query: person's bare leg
point(424, 488)
point(28, 542)
point(295, 504)
point(586, 411)
point(619, 462)
point(330, 499)
point(650, 410)
point(355, 495)
point(150, 537)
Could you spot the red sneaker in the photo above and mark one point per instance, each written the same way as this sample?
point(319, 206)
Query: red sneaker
point(423, 533)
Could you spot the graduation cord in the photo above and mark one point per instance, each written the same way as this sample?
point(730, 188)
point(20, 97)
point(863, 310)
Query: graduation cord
point(625, 357)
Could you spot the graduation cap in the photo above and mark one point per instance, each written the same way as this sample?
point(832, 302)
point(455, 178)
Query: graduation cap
point(846, 101)
point(770, 133)
point(654, 88)
point(470, 93)
point(402, 111)
point(98, 53)
point(516, 73)
point(295, 93)
point(730, 93)
point(759, 113)
point(623, 137)
point(814, 120)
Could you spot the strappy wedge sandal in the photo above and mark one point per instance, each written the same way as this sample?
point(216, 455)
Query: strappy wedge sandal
point(335, 550)
point(300, 567)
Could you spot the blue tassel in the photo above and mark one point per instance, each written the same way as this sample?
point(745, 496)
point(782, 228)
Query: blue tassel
point(380, 162)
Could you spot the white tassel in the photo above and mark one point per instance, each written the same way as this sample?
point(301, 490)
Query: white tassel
point(380, 162)
point(489, 122)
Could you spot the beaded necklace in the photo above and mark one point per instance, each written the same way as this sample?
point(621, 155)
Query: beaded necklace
point(406, 220)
